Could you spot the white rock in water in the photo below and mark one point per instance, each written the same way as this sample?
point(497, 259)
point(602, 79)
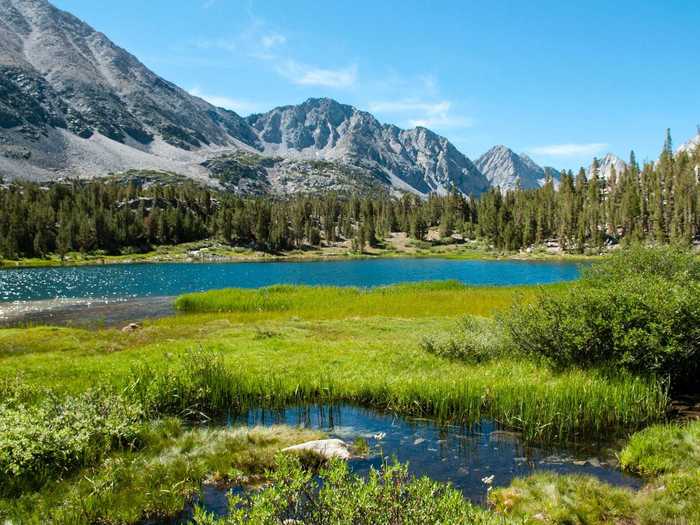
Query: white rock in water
point(326, 448)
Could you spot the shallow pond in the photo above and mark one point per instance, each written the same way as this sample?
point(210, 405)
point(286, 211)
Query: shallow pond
point(465, 456)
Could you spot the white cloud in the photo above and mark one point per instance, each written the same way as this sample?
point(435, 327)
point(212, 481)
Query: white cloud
point(428, 114)
point(272, 40)
point(569, 150)
point(242, 107)
point(306, 75)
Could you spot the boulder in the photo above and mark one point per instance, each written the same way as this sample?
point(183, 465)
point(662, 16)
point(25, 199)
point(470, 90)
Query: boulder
point(131, 327)
point(326, 448)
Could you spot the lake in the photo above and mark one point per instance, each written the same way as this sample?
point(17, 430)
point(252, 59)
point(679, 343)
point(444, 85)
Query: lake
point(121, 281)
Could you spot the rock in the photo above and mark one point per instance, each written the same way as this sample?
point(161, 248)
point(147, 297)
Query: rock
point(131, 327)
point(504, 436)
point(594, 462)
point(326, 448)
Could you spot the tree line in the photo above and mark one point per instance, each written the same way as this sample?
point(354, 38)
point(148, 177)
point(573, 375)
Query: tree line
point(657, 202)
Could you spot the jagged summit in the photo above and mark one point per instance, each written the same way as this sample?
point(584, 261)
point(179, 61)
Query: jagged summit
point(507, 170)
point(606, 165)
point(416, 159)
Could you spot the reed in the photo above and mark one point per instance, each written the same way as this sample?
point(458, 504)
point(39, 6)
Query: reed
point(445, 298)
point(543, 406)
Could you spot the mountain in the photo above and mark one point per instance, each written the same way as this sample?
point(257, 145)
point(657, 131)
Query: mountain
point(72, 103)
point(606, 164)
point(691, 145)
point(506, 169)
point(415, 160)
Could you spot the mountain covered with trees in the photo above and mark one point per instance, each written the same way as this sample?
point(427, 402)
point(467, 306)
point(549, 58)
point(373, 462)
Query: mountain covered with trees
point(658, 202)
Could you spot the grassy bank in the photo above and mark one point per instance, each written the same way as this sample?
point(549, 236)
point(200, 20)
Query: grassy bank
point(668, 456)
point(155, 481)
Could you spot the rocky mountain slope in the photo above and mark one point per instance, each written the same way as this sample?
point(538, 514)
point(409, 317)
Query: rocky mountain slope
point(415, 159)
point(691, 145)
point(72, 103)
point(606, 165)
point(508, 170)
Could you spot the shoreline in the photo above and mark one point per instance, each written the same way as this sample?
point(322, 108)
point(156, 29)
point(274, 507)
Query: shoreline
point(211, 252)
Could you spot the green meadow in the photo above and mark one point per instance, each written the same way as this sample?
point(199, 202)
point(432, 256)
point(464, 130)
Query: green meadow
point(432, 349)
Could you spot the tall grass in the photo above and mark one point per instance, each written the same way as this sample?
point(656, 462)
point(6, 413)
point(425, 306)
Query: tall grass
point(445, 298)
point(567, 406)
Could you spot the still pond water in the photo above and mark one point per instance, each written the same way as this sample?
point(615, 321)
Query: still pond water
point(168, 279)
point(467, 457)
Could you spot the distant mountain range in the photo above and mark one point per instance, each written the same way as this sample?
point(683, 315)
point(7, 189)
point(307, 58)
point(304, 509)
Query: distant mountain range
point(73, 104)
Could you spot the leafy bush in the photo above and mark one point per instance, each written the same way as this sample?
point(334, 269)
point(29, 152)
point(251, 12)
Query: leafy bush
point(337, 497)
point(639, 317)
point(665, 262)
point(49, 439)
point(475, 340)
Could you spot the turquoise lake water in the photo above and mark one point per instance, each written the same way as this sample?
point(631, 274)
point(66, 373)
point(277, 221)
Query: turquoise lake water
point(167, 279)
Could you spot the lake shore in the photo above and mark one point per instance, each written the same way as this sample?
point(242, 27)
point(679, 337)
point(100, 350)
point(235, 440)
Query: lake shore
point(396, 246)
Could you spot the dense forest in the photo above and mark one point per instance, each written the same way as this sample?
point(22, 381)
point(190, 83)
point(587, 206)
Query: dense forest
point(658, 202)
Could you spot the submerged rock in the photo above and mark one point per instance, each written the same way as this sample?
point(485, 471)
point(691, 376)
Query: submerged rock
point(505, 436)
point(326, 448)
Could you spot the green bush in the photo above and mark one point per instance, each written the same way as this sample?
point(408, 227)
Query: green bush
point(637, 317)
point(666, 262)
point(475, 340)
point(51, 438)
point(337, 497)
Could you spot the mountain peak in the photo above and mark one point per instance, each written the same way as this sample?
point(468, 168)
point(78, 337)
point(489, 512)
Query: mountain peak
point(606, 165)
point(507, 170)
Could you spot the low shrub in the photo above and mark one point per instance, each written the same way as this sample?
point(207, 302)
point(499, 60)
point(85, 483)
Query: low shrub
point(672, 263)
point(643, 324)
point(51, 438)
point(337, 497)
point(474, 340)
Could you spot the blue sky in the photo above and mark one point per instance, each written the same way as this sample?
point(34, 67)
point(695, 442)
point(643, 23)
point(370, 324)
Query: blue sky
point(561, 81)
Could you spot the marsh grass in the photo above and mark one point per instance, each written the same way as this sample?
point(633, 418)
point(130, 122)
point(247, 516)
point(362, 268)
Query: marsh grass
point(661, 449)
point(555, 407)
point(445, 298)
point(157, 481)
point(668, 455)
